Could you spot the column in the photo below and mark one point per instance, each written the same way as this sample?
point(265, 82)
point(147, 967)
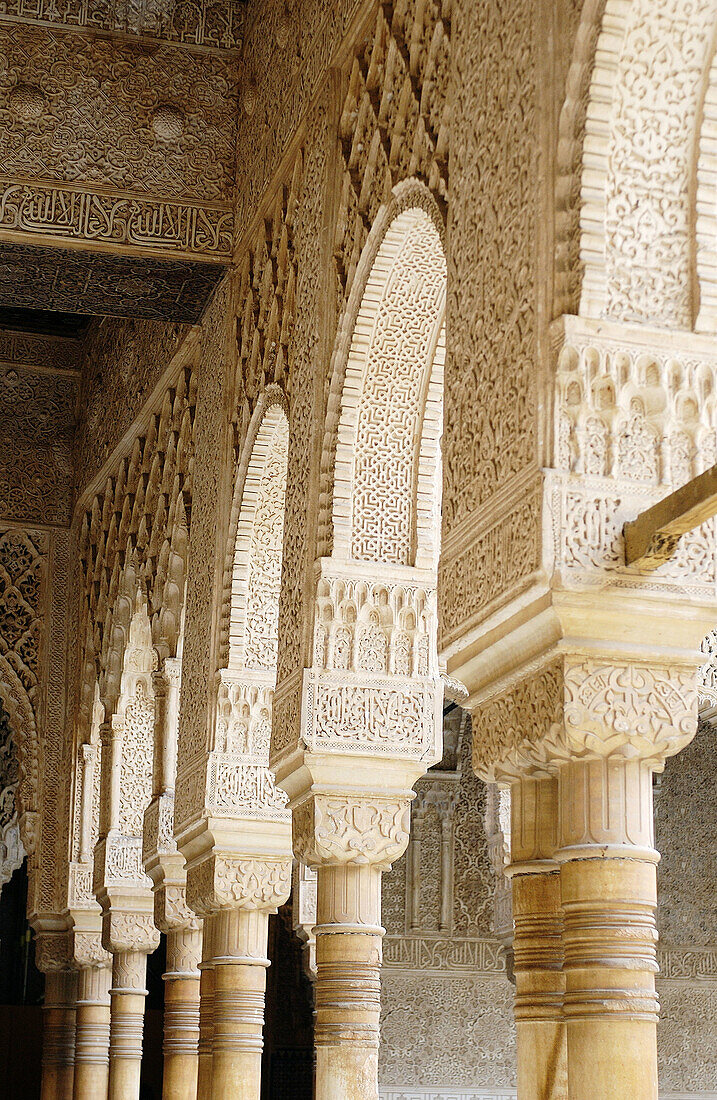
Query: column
point(537, 941)
point(92, 1039)
point(609, 897)
point(58, 1040)
point(350, 840)
point(239, 938)
point(128, 992)
point(235, 896)
point(181, 1014)
point(348, 981)
point(206, 1016)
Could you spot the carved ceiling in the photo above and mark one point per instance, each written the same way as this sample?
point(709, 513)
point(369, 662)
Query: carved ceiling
point(39, 393)
point(117, 154)
point(103, 284)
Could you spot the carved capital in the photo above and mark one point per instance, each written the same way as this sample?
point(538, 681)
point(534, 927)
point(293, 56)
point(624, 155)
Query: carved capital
point(89, 952)
point(231, 882)
point(53, 951)
point(338, 829)
point(513, 731)
point(632, 710)
point(574, 708)
point(129, 932)
point(171, 911)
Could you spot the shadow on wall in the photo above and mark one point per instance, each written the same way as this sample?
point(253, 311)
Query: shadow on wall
point(21, 992)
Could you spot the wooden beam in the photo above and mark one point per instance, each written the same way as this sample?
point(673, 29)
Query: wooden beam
point(652, 538)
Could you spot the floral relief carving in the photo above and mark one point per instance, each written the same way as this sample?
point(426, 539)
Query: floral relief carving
point(213, 23)
point(648, 710)
point(97, 127)
point(231, 883)
point(340, 829)
point(647, 215)
point(573, 709)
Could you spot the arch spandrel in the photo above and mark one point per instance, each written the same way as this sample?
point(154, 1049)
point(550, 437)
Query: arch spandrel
point(646, 106)
point(245, 814)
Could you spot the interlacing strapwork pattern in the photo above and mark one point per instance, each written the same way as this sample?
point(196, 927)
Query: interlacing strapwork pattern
point(262, 612)
point(394, 388)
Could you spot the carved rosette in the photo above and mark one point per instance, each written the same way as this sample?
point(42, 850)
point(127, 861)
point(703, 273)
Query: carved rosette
point(340, 829)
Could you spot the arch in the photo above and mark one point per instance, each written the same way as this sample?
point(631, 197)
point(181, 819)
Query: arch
point(254, 557)
point(387, 385)
point(12, 851)
point(571, 140)
point(248, 655)
point(135, 714)
point(643, 114)
point(21, 719)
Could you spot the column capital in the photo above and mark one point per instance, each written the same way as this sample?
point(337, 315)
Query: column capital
point(171, 911)
point(132, 932)
point(585, 707)
point(339, 828)
point(88, 952)
point(238, 882)
point(53, 949)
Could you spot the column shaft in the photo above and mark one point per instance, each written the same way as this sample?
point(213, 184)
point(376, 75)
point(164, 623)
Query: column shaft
point(181, 1015)
point(58, 1042)
point(348, 982)
point(537, 943)
point(126, 1024)
point(239, 939)
point(609, 898)
point(92, 1034)
point(206, 1026)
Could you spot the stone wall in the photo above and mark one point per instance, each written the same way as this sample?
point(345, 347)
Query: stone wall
point(447, 1023)
point(686, 828)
